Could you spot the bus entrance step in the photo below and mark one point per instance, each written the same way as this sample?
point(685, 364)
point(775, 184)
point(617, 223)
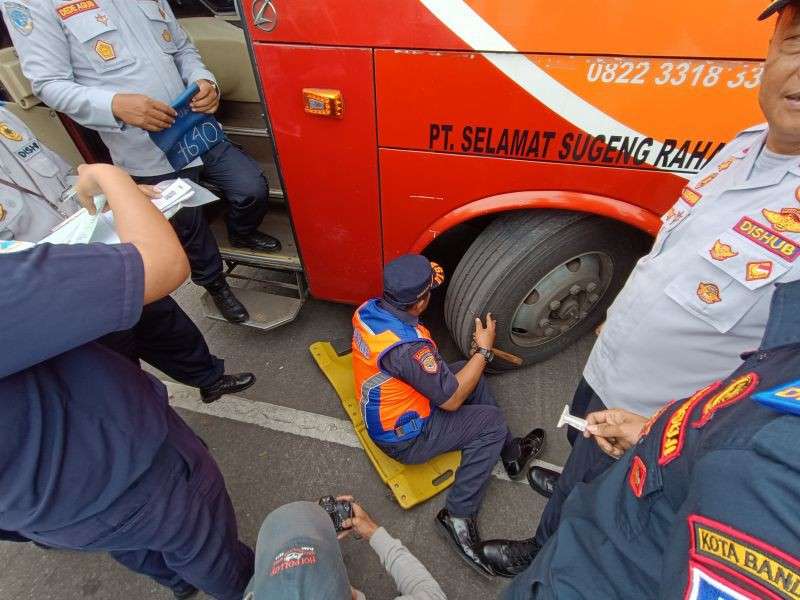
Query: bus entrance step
point(267, 311)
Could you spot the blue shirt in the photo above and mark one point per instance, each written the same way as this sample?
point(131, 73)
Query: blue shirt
point(78, 422)
point(400, 362)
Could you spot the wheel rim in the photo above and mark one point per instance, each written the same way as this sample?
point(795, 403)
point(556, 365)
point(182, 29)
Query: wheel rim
point(561, 299)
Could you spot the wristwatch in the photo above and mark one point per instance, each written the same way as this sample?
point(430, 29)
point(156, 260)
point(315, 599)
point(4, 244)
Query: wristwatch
point(487, 355)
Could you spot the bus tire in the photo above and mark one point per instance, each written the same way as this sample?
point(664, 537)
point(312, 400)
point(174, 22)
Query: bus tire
point(547, 276)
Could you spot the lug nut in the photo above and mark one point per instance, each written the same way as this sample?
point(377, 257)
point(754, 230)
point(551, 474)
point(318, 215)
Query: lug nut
point(591, 287)
point(575, 290)
point(555, 304)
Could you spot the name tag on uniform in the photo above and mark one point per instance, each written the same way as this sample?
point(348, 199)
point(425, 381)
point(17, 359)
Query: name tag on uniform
point(191, 136)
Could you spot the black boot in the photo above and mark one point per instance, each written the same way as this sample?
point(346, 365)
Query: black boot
point(258, 241)
point(543, 481)
point(508, 558)
point(528, 448)
point(232, 310)
point(463, 533)
point(184, 591)
point(227, 384)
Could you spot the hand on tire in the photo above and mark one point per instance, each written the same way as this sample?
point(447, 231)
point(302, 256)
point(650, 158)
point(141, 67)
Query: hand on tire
point(484, 336)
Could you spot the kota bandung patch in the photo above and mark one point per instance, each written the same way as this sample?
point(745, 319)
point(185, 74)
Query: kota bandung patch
point(737, 389)
point(20, 17)
point(427, 360)
point(749, 559)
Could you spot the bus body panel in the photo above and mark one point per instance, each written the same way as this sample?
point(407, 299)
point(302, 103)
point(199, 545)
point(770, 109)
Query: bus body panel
point(329, 166)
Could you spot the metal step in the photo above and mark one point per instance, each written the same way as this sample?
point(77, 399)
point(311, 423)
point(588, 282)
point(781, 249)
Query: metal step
point(267, 311)
point(276, 224)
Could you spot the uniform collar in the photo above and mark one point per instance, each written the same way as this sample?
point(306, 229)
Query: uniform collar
point(783, 326)
point(742, 180)
point(399, 313)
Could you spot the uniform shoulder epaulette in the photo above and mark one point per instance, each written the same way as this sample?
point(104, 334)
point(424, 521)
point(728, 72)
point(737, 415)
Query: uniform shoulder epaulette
point(752, 130)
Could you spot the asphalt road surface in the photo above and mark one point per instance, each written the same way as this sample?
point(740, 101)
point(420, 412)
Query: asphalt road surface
point(270, 456)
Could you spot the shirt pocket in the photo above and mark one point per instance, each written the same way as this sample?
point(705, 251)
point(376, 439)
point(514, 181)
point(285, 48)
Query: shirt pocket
point(43, 165)
point(159, 25)
point(102, 42)
point(724, 286)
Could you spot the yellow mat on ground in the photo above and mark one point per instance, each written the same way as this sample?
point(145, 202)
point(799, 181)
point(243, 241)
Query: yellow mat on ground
point(410, 484)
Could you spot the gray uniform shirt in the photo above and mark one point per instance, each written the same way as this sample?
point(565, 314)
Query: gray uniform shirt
point(78, 55)
point(32, 166)
point(701, 296)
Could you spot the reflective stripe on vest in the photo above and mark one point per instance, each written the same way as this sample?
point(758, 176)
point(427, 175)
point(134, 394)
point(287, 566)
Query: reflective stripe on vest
point(393, 411)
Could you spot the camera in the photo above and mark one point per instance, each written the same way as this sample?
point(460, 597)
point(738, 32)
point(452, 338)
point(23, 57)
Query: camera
point(339, 511)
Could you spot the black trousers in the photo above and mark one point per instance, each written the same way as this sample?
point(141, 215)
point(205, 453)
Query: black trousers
point(586, 462)
point(246, 189)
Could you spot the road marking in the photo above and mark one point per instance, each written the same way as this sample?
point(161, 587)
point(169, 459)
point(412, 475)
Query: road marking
point(284, 419)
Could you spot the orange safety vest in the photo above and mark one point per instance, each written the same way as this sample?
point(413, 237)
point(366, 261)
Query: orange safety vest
point(393, 411)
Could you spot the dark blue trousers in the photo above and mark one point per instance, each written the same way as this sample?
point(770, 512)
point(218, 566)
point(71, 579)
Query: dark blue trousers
point(175, 523)
point(246, 190)
point(166, 338)
point(585, 463)
point(478, 428)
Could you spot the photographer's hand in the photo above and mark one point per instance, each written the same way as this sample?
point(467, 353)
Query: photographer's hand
point(361, 523)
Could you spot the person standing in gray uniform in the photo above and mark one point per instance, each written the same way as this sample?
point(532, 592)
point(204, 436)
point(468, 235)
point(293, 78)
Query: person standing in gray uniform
point(701, 297)
point(115, 66)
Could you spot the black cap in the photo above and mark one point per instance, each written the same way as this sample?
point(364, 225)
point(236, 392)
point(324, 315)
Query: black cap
point(408, 278)
point(773, 8)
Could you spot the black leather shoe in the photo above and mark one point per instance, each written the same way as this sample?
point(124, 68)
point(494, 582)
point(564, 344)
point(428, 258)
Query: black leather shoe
point(258, 241)
point(530, 447)
point(184, 591)
point(463, 533)
point(508, 558)
point(543, 481)
point(232, 310)
point(227, 384)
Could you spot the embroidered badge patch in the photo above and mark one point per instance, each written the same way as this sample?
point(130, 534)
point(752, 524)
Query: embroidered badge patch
point(706, 180)
point(9, 133)
point(690, 196)
point(427, 361)
point(75, 8)
point(20, 17)
point(709, 292)
point(797, 194)
point(788, 219)
point(2, 212)
point(737, 389)
point(673, 215)
point(637, 476)
point(758, 270)
point(725, 164)
point(674, 434)
point(767, 238)
point(166, 35)
point(748, 558)
point(299, 556)
point(652, 420)
point(704, 585)
point(100, 18)
point(105, 50)
point(721, 251)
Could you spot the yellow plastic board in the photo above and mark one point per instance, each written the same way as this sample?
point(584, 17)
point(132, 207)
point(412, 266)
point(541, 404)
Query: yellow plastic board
point(410, 484)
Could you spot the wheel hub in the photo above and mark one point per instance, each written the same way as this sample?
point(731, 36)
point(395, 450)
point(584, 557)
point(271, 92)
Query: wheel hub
point(561, 299)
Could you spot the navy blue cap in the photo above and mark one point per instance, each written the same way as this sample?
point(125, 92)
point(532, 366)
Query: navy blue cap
point(773, 8)
point(408, 278)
